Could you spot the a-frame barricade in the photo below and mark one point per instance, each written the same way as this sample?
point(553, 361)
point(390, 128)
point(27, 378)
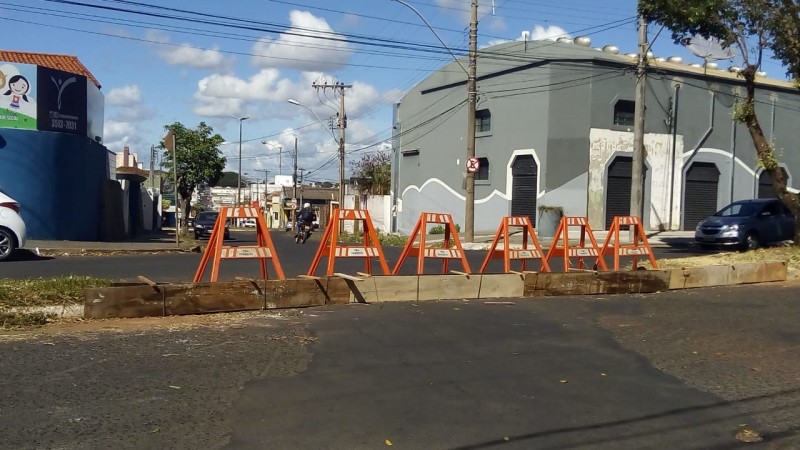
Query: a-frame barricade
point(452, 244)
point(639, 247)
point(534, 251)
point(369, 248)
point(263, 251)
point(581, 251)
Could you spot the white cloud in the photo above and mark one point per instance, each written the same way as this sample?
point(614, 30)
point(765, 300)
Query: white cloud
point(118, 134)
point(188, 55)
point(551, 33)
point(123, 96)
point(304, 46)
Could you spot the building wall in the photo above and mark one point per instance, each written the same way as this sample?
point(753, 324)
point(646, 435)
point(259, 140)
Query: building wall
point(562, 112)
point(57, 178)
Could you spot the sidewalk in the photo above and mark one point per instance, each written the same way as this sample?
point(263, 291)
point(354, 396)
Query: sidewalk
point(164, 241)
point(657, 239)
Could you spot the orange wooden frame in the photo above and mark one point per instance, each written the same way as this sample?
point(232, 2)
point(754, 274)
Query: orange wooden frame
point(633, 249)
point(508, 253)
point(581, 251)
point(369, 248)
point(421, 251)
point(264, 249)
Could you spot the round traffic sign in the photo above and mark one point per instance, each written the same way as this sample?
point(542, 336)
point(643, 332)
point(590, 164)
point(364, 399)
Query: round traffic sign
point(473, 164)
point(294, 203)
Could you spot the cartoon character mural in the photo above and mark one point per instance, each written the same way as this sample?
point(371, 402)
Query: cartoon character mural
point(17, 104)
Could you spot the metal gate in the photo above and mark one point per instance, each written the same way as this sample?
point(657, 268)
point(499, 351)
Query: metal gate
point(618, 188)
point(765, 188)
point(524, 188)
point(700, 193)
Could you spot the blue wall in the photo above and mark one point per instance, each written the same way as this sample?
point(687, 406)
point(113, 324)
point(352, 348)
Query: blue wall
point(58, 180)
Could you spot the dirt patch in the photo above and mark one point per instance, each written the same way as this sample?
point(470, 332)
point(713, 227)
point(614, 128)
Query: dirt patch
point(790, 254)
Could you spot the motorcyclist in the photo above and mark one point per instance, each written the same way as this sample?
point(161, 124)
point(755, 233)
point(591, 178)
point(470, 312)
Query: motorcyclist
point(305, 216)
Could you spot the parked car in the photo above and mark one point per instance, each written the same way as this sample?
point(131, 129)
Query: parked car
point(12, 227)
point(249, 223)
point(204, 224)
point(747, 225)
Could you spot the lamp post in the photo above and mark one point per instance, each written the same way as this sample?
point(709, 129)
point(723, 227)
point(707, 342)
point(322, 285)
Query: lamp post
point(341, 150)
point(239, 184)
point(280, 151)
point(469, 209)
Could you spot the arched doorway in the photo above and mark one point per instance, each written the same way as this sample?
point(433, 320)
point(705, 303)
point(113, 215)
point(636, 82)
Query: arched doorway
point(524, 188)
point(700, 193)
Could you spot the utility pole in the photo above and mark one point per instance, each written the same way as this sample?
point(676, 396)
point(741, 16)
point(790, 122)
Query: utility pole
point(469, 212)
point(339, 88)
point(294, 178)
point(300, 203)
point(152, 167)
point(637, 171)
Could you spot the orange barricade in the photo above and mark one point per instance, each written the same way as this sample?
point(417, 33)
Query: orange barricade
point(508, 253)
point(370, 248)
point(263, 251)
point(421, 251)
point(581, 251)
point(639, 246)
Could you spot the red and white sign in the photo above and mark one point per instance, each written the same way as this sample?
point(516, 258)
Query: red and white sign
point(473, 164)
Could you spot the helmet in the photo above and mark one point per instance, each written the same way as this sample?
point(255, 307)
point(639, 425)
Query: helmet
point(306, 205)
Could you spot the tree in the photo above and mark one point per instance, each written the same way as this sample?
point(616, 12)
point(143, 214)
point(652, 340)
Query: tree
point(752, 26)
point(199, 160)
point(374, 171)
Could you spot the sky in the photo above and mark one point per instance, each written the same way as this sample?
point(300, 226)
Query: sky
point(195, 61)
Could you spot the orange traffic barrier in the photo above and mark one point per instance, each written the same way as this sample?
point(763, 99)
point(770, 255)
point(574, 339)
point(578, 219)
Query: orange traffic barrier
point(639, 246)
point(370, 247)
point(581, 251)
point(508, 253)
point(421, 251)
point(263, 251)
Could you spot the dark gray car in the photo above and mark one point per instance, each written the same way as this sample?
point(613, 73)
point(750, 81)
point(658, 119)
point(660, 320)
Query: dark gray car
point(204, 225)
point(747, 225)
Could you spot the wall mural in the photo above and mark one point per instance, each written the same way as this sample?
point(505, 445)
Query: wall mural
point(17, 96)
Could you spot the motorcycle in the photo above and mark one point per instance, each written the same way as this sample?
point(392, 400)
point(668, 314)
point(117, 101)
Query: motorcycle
point(303, 235)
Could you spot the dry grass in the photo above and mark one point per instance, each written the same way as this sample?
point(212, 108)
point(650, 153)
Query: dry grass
point(790, 254)
point(47, 291)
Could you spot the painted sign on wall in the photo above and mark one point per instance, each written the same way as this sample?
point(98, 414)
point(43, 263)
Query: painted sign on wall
point(62, 101)
point(18, 83)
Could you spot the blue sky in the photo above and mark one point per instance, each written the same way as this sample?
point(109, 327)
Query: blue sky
point(203, 60)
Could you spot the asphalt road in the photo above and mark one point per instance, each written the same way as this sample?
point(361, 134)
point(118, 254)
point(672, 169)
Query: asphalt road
point(180, 267)
point(682, 369)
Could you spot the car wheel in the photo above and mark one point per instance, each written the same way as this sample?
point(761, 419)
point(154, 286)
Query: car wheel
point(751, 242)
point(8, 243)
point(706, 247)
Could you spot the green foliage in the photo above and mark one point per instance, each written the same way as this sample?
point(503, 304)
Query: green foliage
point(374, 171)
point(743, 111)
point(439, 229)
point(47, 291)
point(388, 240)
point(199, 158)
point(165, 204)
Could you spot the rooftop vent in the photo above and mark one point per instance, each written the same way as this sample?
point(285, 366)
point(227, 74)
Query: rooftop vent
point(631, 55)
point(761, 74)
point(611, 49)
point(734, 69)
point(583, 41)
point(711, 65)
point(564, 40)
point(675, 59)
point(661, 59)
point(695, 65)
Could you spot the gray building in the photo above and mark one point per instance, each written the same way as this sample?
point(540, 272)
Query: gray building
point(555, 129)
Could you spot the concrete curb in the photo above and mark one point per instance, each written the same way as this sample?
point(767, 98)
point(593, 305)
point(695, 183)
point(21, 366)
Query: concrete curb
point(140, 300)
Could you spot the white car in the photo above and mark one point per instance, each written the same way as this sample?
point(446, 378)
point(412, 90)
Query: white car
point(12, 227)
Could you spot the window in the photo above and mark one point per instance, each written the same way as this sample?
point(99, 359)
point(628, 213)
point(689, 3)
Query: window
point(483, 170)
point(624, 113)
point(483, 121)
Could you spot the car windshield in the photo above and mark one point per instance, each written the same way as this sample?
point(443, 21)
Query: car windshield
point(739, 210)
point(207, 216)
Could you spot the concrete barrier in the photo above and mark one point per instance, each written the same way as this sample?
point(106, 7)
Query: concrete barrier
point(140, 300)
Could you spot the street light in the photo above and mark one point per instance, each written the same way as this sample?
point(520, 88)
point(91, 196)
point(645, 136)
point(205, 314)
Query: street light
point(341, 150)
point(469, 210)
point(239, 184)
point(280, 151)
